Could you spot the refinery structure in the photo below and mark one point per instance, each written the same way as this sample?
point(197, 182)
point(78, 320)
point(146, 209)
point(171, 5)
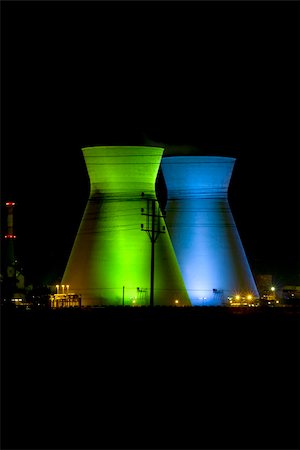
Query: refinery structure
point(127, 252)
point(149, 240)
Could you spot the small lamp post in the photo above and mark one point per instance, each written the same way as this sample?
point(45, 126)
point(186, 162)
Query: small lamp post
point(274, 294)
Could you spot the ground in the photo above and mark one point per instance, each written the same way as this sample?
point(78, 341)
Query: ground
point(151, 378)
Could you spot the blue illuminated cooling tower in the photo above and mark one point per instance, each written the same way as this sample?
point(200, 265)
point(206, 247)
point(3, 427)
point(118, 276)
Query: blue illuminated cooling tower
point(202, 229)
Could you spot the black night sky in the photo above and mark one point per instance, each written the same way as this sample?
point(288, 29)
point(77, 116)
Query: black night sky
point(220, 78)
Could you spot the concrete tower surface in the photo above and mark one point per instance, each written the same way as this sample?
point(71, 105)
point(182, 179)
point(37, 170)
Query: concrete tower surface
point(110, 260)
point(202, 229)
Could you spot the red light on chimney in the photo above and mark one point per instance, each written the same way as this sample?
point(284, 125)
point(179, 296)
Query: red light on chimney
point(10, 236)
point(10, 203)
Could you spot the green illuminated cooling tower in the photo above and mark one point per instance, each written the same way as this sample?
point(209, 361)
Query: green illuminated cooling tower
point(110, 263)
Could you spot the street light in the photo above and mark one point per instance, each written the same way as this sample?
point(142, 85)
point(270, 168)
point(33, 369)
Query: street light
point(273, 290)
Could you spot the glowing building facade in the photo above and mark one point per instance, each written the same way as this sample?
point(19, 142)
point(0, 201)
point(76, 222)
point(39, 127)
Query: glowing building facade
point(209, 251)
point(110, 260)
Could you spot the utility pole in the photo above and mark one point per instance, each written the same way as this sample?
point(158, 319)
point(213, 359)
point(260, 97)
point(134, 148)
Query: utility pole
point(153, 230)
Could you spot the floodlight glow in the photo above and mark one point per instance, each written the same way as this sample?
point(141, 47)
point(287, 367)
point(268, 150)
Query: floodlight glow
point(111, 255)
point(202, 229)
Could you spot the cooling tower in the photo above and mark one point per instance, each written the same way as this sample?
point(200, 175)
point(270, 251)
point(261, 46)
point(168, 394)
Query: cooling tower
point(209, 251)
point(110, 262)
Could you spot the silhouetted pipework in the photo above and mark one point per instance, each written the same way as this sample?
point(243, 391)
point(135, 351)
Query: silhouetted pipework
point(208, 247)
point(110, 259)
